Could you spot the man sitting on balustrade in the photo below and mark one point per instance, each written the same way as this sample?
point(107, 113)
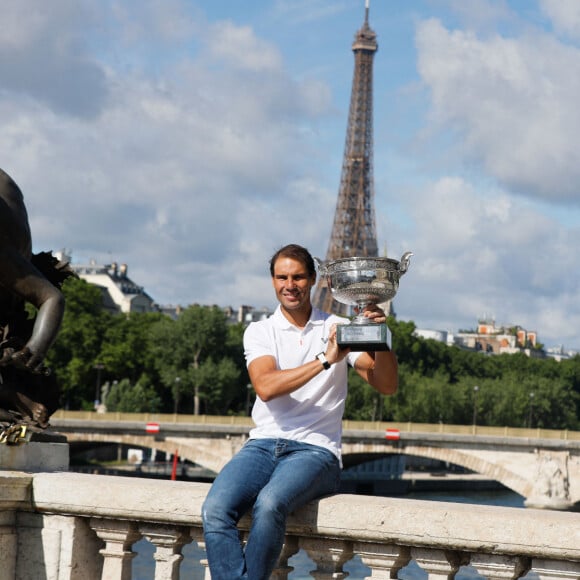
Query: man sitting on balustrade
point(293, 454)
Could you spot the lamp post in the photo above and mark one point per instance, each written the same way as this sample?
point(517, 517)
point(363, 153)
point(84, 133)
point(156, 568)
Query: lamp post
point(99, 367)
point(177, 381)
point(248, 398)
point(475, 391)
point(531, 409)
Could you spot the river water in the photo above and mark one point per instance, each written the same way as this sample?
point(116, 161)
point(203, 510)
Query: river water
point(143, 565)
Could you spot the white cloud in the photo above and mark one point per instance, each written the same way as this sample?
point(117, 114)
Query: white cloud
point(512, 103)
point(506, 108)
point(565, 16)
point(481, 14)
point(147, 22)
point(45, 59)
point(481, 252)
point(177, 170)
point(239, 46)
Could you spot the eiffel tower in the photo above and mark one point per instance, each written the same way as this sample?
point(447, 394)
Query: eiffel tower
point(354, 229)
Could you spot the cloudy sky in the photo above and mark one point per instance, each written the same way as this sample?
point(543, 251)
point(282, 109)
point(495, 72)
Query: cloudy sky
point(190, 139)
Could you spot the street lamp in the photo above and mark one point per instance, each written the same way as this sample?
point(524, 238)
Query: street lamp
point(176, 394)
point(248, 398)
point(531, 410)
point(475, 391)
point(99, 367)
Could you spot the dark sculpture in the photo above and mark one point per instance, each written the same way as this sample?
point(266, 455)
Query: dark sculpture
point(29, 393)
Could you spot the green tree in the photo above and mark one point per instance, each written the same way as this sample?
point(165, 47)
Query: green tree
point(76, 350)
point(140, 397)
point(363, 403)
point(223, 376)
point(126, 347)
point(403, 338)
point(182, 347)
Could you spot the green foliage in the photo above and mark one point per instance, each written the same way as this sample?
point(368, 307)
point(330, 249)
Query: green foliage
point(206, 355)
point(363, 403)
point(436, 384)
point(196, 364)
point(78, 345)
point(221, 382)
point(140, 397)
point(427, 399)
point(126, 346)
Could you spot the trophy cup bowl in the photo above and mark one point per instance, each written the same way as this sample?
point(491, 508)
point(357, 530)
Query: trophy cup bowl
point(360, 282)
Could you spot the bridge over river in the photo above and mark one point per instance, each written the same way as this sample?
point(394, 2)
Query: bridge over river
point(541, 465)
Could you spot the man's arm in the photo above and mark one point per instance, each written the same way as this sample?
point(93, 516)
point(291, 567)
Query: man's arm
point(379, 369)
point(270, 382)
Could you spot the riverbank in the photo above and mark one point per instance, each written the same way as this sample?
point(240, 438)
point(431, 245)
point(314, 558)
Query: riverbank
point(450, 482)
point(411, 482)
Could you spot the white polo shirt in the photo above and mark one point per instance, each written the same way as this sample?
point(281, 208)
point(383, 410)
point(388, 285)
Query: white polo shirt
point(312, 413)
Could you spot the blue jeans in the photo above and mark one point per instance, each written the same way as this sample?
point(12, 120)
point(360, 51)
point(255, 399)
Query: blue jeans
point(275, 477)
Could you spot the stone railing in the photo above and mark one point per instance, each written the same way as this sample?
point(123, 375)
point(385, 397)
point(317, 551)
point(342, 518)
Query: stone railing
point(70, 526)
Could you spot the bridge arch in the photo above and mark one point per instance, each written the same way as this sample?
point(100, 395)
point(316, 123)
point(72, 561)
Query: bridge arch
point(211, 456)
point(546, 478)
point(478, 465)
point(214, 455)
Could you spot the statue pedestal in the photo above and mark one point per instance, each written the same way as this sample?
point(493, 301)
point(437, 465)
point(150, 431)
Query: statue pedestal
point(46, 451)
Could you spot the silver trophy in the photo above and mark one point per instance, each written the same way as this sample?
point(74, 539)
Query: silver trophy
point(360, 282)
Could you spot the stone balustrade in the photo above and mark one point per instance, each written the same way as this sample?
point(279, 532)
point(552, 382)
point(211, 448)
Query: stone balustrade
point(71, 526)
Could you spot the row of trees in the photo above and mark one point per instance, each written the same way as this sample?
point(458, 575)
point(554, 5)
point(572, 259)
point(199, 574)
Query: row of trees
point(195, 364)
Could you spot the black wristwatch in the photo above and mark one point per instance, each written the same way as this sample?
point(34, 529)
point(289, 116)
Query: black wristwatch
point(322, 358)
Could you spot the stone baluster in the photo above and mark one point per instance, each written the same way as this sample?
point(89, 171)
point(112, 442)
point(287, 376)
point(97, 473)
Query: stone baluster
point(556, 569)
point(119, 536)
point(494, 567)
point(8, 544)
point(384, 560)
point(439, 564)
point(290, 548)
point(168, 542)
point(329, 556)
point(197, 535)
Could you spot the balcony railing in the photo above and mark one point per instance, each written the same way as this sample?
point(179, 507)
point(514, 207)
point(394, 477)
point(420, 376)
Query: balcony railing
point(71, 526)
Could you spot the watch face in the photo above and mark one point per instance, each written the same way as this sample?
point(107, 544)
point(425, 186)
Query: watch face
point(323, 360)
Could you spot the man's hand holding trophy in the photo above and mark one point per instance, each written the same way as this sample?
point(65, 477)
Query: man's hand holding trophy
point(361, 282)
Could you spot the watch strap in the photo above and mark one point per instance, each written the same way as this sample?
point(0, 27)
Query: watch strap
point(322, 358)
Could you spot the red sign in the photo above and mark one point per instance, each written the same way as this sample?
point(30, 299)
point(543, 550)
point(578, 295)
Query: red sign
point(392, 434)
point(152, 428)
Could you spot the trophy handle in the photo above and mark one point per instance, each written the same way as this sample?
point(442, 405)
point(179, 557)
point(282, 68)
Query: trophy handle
point(405, 261)
point(320, 266)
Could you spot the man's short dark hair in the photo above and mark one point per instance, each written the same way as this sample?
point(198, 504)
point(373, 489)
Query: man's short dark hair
point(294, 252)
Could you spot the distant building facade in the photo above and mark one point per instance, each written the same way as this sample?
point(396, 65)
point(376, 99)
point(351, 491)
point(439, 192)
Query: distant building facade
point(560, 353)
point(438, 335)
point(246, 314)
point(491, 339)
point(120, 293)
point(123, 295)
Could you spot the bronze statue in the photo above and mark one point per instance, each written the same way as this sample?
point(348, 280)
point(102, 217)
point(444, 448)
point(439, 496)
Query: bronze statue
point(28, 392)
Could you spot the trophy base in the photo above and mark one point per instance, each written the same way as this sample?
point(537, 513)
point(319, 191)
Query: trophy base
point(364, 337)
